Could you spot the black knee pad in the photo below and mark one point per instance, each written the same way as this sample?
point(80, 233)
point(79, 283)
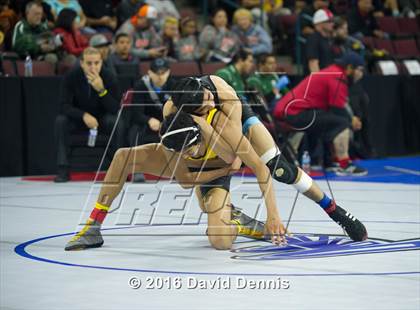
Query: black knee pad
point(282, 170)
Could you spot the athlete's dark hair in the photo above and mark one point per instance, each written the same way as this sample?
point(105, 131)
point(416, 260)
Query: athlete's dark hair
point(242, 54)
point(179, 131)
point(187, 94)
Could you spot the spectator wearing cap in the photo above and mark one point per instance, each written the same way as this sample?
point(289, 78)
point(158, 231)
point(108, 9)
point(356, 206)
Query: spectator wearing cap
point(100, 15)
point(73, 41)
point(102, 44)
point(187, 47)
point(170, 36)
point(362, 22)
point(147, 44)
point(58, 5)
point(217, 41)
point(307, 13)
point(319, 44)
point(90, 99)
point(252, 36)
point(361, 145)
point(318, 105)
point(31, 35)
point(151, 92)
point(122, 51)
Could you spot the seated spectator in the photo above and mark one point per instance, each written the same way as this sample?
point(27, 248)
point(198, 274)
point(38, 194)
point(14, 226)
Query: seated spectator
point(100, 15)
point(151, 92)
point(236, 73)
point(19, 7)
point(317, 105)
point(251, 36)
point(319, 44)
point(101, 43)
point(122, 51)
point(385, 7)
point(73, 41)
point(409, 8)
point(147, 44)
point(58, 5)
point(361, 145)
point(164, 8)
point(306, 22)
point(32, 37)
point(217, 41)
point(170, 36)
point(128, 8)
point(343, 42)
point(90, 99)
point(254, 6)
point(266, 81)
point(362, 22)
point(187, 48)
point(8, 20)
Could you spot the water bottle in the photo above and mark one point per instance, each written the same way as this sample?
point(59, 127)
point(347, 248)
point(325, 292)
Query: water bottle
point(93, 133)
point(28, 66)
point(306, 162)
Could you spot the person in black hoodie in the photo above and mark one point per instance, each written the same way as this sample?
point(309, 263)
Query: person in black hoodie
point(151, 92)
point(89, 99)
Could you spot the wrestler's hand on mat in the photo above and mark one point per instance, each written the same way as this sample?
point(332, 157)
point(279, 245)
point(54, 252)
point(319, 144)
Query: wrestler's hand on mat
point(235, 166)
point(90, 121)
point(275, 229)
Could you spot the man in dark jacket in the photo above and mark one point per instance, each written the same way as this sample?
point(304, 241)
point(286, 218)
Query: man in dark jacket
point(151, 92)
point(90, 100)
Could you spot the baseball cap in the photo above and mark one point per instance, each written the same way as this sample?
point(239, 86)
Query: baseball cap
point(322, 16)
point(351, 58)
point(99, 40)
point(159, 64)
point(147, 11)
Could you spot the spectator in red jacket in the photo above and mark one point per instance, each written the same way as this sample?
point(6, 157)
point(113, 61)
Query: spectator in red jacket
point(319, 106)
point(73, 41)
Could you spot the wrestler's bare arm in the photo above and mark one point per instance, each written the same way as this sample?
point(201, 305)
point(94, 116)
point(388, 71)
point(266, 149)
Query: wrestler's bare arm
point(229, 100)
point(240, 146)
point(168, 108)
point(188, 179)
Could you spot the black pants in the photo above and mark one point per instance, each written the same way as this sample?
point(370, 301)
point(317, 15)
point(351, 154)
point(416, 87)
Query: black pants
point(361, 145)
point(318, 123)
point(65, 126)
point(321, 128)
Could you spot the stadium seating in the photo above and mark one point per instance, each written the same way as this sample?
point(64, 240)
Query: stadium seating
point(406, 48)
point(39, 68)
point(9, 67)
point(211, 67)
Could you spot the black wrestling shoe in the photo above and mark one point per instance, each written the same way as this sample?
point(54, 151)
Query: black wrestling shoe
point(247, 226)
point(353, 227)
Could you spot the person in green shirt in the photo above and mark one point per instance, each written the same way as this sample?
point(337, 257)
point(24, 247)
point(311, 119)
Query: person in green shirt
point(237, 71)
point(31, 35)
point(267, 81)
